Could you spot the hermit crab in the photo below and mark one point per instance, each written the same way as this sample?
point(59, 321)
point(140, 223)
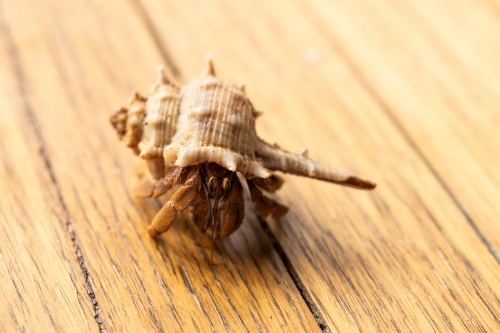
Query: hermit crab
point(200, 136)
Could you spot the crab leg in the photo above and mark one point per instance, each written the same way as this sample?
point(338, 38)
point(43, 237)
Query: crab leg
point(154, 188)
point(271, 183)
point(181, 199)
point(274, 158)
point(264, 204)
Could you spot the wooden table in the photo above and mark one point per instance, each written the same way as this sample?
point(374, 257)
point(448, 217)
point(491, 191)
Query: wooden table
point(406, 93)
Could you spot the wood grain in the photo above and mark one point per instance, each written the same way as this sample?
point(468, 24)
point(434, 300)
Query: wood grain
point(139, 284)
point(405, 93)
point(40, 287)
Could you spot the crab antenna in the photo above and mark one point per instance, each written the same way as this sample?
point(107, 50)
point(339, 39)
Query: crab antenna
point(274, 158)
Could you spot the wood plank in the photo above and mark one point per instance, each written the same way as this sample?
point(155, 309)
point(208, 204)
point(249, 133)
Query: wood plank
point(402, 258)
point(41, 282)
point(79, 65)
point(434, 65)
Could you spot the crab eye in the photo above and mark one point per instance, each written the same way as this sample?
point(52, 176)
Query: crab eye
point(212, 184)
point(225, 185)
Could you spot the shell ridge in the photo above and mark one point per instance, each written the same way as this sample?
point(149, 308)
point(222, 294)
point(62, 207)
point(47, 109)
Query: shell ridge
point(250, 139)
point(225, 156)
point(160, 104)
point(242, 140)
point(214, 115)
point(212, 96)
point(221, 112)
point(162, 125)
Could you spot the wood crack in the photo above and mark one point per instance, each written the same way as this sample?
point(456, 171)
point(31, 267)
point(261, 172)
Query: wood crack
point(304, 293)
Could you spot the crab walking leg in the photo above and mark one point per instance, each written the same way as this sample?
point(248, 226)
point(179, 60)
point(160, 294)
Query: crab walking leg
point(274, 158)
point(177, 203)
point(154, 188)
point(235, 210)
point(271, 183)
point(264, 204)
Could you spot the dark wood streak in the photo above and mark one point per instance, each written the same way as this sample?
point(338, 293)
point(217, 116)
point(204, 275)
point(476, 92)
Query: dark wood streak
point(166, 290)
point(45, 307)
point(493, 313)
point(14, 319)
point(164, 256)
point(151, 307)
point(231, 303)
point(318, 316)
point(380, 287)
point(208, 289)
point(324, 310)
point(428, 317)
point(18, 293)
point(465, 262)
point(466, 322)
point(185, 279)
point(30, 115)
point(73, 282)
point(256, 322)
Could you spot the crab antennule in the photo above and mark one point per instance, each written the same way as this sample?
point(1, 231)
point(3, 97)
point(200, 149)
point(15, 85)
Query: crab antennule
point(274, 158)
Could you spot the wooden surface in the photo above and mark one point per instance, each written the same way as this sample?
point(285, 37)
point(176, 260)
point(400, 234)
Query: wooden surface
point(406, 93)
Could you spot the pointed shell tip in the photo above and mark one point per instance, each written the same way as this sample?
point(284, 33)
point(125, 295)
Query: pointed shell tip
point(162, 76)
point(210, 65)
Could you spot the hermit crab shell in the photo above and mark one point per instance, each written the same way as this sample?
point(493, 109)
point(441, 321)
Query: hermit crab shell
point(209, 120)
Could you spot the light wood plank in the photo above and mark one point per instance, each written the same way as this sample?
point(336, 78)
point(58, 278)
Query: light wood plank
point(41, 282)
point(405, 93)
point(80, 64)
point(435, 66)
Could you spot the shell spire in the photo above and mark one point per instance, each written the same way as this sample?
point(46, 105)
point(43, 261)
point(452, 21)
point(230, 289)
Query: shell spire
point(210, 65)
point(257, 113)
point(273, 158)
point(162, 76)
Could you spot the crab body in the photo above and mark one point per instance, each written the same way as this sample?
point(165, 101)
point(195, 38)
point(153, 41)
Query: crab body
point(200, 136)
